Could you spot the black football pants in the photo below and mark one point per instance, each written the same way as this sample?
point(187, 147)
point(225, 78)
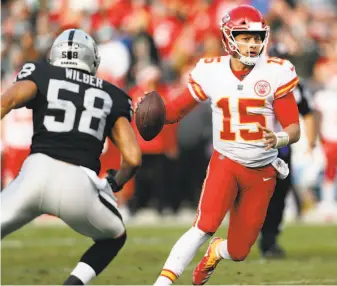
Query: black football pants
point(271, 226)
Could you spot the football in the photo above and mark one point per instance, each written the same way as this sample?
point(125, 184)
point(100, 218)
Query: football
point(150, 115)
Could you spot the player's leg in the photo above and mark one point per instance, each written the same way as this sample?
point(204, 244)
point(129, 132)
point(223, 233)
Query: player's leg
point(104, 224)
point(74, 198)
point(20, 199)
point(326, 209)
point(217, 196)
point(218, 247)
point(249, 211)
point(328, 188)
point(271, 227)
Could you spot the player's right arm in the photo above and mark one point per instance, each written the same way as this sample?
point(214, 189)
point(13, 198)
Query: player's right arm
point(23, 90)
point(17, 96)
point(180, 106)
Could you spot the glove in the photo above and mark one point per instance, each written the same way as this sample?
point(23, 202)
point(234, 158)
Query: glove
point(112, 182)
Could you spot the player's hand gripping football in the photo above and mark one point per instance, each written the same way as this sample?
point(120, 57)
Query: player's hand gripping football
point(112, 181)
point(269, 137)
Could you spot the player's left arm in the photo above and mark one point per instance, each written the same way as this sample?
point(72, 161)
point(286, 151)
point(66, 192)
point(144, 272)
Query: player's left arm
point(287, 114)
point(285, 107)
point(17, 96)
point(123, 136)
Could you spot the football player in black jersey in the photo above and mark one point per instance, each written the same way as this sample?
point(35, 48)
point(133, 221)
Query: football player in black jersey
point(269, 246)
point(73, 113)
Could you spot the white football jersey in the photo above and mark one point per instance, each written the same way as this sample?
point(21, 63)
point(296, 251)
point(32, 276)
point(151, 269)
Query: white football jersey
point(238, 105)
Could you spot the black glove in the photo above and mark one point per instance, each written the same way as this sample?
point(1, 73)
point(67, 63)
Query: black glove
point(112, 182)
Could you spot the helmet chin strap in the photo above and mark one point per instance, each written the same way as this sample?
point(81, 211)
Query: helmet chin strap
point(249, 61)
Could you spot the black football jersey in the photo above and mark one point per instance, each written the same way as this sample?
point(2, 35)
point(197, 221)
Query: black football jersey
point(73, 113)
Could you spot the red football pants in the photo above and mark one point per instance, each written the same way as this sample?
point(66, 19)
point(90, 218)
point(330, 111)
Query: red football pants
point(245, 192)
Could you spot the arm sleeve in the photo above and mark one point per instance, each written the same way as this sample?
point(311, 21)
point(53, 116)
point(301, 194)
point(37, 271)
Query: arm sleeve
point(286, 110)
point(194, 83)
point(121, 106)
point(179, 106)
point(125, 106)
point(30, 71)
point(288, 79)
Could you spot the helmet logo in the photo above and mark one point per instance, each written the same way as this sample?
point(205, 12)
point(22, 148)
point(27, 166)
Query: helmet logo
point(226, 18)
point(262, 88)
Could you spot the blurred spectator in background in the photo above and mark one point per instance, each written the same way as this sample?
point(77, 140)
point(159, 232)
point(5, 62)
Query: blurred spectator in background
point(195, 133)
point(115, 56)
point(16, 135)
point(17, 127)
point(326, 107)
point(156, 179)
point(195, 142)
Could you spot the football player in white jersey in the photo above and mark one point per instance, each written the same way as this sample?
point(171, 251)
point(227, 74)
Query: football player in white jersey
point(248, 92)
point(326, 109)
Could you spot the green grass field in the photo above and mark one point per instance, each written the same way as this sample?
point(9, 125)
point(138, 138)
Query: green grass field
point(46, 255)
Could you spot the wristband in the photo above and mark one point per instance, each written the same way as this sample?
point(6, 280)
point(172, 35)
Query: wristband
point(282, 139)
point(115, 188)
point(112, 181)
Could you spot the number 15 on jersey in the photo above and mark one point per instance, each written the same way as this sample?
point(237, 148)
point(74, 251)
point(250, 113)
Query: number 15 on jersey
point(244, 117)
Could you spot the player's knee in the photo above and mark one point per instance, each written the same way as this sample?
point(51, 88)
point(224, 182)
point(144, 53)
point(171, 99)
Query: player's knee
point(238, 253)
point(239, 257)
point(120, 241)
point(112, 245)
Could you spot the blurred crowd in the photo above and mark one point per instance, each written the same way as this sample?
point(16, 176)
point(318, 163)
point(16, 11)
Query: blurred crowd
point(153, 44)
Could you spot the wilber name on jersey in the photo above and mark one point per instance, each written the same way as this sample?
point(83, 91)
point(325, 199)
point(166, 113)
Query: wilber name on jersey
point(84, 77)
point(73, 113)
point(238, 105)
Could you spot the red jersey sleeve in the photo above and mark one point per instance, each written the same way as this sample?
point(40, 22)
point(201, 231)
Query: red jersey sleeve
point(179, 106)
point(286, 110)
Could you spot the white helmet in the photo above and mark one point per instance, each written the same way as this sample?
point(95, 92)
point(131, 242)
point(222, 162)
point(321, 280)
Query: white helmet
point(74, 48)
